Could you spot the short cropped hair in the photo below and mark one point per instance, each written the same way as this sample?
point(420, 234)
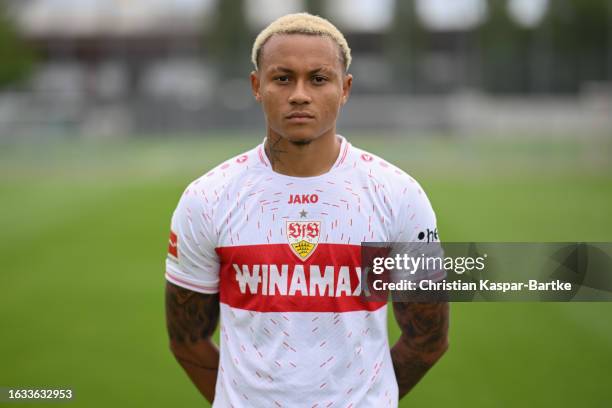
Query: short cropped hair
point(301, 23)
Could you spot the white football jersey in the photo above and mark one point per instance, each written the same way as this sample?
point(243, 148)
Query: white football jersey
point(284, 254)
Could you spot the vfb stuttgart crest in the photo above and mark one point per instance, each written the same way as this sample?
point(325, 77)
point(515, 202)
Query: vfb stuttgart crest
point(303, 237)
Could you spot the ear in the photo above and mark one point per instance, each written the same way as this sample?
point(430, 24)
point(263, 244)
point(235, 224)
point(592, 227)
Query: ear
point(255, 85)
point(347, 84)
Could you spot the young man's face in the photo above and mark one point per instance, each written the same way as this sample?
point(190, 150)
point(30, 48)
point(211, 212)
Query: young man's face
point(302, 85)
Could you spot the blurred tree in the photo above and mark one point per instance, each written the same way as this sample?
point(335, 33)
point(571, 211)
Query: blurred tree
point(609, 44)
point(316, 7)
point(541, 56)
point(590, 51)
point(579, 41)
point(406, 42)
point(17, 58)
point(229, 41)
point(504, 51)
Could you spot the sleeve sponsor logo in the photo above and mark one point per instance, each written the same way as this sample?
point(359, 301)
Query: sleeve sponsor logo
point(173, 244)
point(430, 234)
point(366, 157)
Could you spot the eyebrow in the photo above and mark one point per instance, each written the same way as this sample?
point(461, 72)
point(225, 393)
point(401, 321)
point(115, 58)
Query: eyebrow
point(290, 71)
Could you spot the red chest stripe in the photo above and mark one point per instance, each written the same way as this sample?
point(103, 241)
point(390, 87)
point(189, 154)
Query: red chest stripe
point(270, 278)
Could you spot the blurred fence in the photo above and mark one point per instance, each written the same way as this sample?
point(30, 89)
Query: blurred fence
point(461, 114)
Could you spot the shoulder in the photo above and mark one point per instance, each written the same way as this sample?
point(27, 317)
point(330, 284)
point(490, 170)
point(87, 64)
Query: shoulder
point(393, 179)
point(394, 188)
point(412, 213)
point(213, 184)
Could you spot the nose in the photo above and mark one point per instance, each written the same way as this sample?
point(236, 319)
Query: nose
point(299, 94)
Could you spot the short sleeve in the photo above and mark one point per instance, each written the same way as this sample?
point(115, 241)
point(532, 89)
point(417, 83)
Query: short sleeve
point(417, 233)
point(192, 262)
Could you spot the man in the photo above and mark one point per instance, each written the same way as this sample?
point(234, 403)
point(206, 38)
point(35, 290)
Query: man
point(271, 239)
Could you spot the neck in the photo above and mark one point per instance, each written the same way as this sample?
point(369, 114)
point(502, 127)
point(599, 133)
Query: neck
point(303, 160)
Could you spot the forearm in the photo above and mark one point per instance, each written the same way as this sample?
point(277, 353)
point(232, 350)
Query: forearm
point(201, 364)
point(411, 365)
point(191, 320)
point(423, 341)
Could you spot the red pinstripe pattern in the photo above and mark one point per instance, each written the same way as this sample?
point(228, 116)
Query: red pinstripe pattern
point(346, 146)
point(261, 157)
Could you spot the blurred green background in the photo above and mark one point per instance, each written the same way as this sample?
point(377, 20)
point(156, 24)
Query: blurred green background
point(108, 109)
point(85, 234)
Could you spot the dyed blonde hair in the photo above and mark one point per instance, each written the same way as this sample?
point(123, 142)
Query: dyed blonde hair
point(301, 23)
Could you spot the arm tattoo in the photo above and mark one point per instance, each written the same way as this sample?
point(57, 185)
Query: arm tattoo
point(424, 329)
point(190, 316)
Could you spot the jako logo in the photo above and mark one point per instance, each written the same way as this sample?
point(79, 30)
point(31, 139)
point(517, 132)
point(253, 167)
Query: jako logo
point(303, 198)
point(432, 235)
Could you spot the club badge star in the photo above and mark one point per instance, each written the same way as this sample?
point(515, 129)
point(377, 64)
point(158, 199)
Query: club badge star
point(303, 214)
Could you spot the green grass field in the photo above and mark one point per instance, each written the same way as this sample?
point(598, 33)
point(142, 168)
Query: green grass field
point(84, 236)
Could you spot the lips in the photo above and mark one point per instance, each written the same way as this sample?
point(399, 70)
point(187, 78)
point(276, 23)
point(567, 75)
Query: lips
point(300, 115)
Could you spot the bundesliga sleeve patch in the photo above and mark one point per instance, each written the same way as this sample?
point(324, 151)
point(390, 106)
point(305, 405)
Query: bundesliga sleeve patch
point(172, 244)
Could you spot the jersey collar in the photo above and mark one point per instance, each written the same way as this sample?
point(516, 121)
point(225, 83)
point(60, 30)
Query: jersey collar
point(344, 148)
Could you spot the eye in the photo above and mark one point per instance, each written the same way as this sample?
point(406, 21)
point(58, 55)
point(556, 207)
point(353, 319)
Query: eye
point(283, 79)
point(319, 79)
